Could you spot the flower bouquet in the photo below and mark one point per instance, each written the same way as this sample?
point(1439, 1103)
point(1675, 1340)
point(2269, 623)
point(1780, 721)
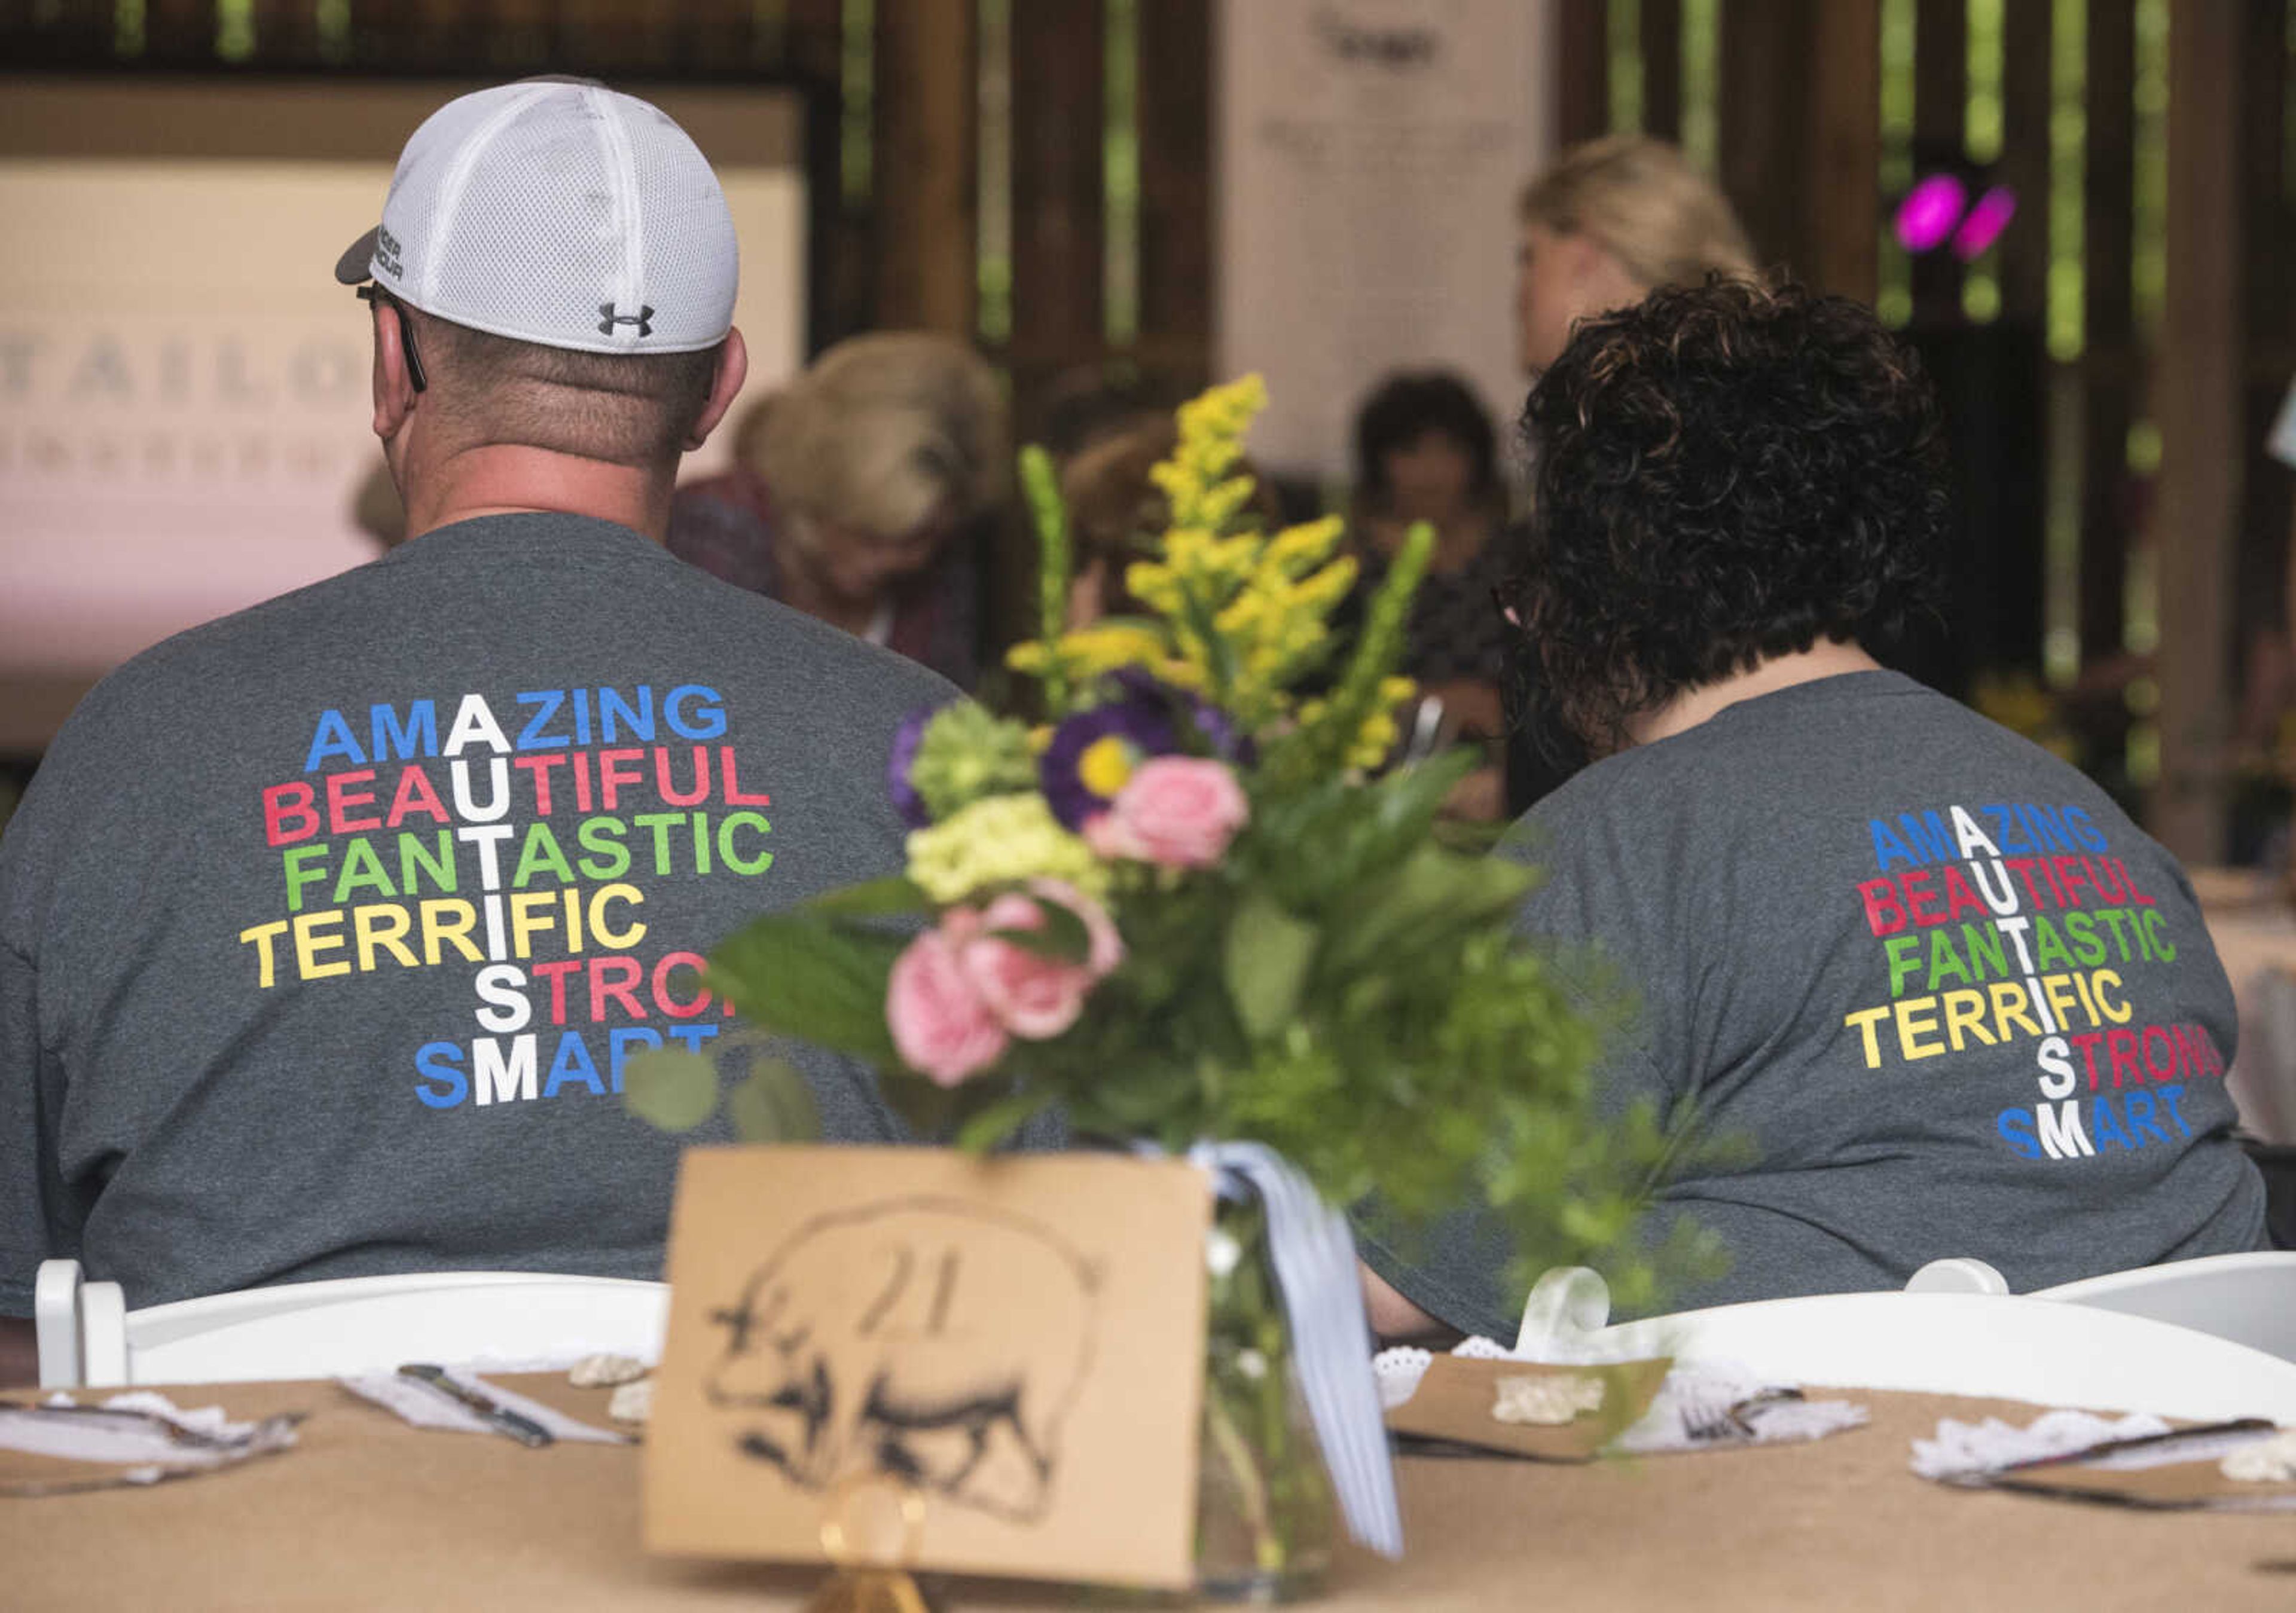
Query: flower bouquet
point(1184, 907)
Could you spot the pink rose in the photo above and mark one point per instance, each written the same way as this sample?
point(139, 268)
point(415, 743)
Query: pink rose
point(1107, 946)
point(939, 1020)
point(1032, 995)
point(1176, 812)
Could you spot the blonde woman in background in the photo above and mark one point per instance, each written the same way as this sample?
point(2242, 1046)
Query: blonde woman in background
point(859, 492)
point(1610, 223)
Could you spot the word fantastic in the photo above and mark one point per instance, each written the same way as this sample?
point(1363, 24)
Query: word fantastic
point(522, 849)
point(2014, 923)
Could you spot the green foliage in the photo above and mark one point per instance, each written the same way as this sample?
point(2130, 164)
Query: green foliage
point(670, 1088)
point(968, 754)
point(807, 974)
point(773, 1104)
point(1344, 983)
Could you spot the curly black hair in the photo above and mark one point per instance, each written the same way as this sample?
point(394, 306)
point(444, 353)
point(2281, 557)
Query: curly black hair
point(1725, 473)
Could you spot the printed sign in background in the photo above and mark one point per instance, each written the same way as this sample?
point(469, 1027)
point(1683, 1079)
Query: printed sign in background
point(185, 420)
point(1370, 155)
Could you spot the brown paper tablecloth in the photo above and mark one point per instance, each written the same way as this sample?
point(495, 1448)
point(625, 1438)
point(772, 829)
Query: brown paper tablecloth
point(368, 1513)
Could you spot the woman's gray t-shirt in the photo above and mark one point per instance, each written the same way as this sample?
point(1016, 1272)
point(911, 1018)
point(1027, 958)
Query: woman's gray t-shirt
point(1942, 994)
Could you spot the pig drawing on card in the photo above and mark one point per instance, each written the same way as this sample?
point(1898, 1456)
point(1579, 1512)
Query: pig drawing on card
point(934, 1340)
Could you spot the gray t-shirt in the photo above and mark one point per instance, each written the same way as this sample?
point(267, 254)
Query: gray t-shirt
point(1945, 997)
point(327, 928)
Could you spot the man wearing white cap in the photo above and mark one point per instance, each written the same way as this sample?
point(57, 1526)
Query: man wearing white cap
point(327, 929)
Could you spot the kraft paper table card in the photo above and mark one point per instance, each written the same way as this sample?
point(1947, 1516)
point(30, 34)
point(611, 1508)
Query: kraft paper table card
point(1463, 1400)
point(1016, 1342)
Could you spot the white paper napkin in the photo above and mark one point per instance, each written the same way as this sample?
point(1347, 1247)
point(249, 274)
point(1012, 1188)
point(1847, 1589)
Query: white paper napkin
point(1962, 1450)
point(141, 1450)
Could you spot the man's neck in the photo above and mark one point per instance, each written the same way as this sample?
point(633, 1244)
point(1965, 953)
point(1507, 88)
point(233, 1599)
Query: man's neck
point(506, 480)
point(1692, 707)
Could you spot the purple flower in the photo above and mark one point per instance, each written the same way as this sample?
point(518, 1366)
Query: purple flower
point(1092, 756)
point(1199, 720)
point(1093, 753)
point(906, 800)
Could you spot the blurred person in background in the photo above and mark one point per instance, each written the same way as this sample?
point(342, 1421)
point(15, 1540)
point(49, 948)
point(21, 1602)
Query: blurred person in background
point(860, 494)
point(1609, 224)
point(1425, 451)
point(1611, 221)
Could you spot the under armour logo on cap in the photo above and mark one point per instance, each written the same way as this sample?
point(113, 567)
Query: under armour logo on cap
point(608, 319)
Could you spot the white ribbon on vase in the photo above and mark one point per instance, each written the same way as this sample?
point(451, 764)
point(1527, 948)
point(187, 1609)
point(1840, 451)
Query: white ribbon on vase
point(1314, 1257)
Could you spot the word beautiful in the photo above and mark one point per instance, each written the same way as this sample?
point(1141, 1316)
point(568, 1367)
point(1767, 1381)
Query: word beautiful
point(519, 843)
point(2014, 923)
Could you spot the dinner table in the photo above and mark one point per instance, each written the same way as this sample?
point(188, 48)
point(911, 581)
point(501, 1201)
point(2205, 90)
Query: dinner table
point(366, 1511)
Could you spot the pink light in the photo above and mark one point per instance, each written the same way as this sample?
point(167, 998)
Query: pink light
point(1985, 223)
point(1929, 212)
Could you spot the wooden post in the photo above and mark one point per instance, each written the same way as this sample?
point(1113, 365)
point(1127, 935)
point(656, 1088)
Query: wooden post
point(1842, 190)
point(2198, 398)
point(1940, 100)
point(1175, 219)
point(1058, 268)
point(1801, 134)
point(1661, 22)
point(2108, 365)
point(1582, 97)
point(925, 99)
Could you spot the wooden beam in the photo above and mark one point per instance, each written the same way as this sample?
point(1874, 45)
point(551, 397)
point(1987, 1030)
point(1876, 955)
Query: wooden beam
point(1940, 100)
point(1582, 77)
point(2197, 400)
point(2024, 164)
point(1176, 206)
point(925, 103)
point(1841, 192)
point(2111, 383)
point(1058, 248)
point(1661, 22)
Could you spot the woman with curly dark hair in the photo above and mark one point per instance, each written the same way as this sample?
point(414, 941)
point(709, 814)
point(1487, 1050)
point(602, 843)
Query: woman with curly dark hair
point(1941, 996)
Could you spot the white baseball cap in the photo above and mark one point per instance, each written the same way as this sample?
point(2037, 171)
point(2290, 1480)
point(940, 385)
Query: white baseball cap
point(560, 212)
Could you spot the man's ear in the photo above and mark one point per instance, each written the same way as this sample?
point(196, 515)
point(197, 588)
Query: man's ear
point(394, 387)
point(733, 369)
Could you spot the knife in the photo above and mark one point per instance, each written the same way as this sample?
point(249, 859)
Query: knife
point(501, 1419)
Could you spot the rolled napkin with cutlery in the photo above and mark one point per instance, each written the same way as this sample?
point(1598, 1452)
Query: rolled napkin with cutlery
point(432, 1397)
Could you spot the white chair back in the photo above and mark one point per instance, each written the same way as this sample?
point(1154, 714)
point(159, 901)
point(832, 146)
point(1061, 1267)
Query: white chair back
point(1993, 1345)
point(2249, 1300)
point(359, 1324)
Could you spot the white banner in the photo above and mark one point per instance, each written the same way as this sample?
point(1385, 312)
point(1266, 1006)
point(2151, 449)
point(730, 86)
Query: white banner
point(185, 417)
point(1370, 155)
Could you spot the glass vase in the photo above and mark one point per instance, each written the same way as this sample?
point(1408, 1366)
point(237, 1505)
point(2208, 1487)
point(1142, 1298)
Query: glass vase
point(1265, 1517)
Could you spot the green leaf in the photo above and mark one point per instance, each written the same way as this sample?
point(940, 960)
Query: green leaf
point(797, 973)
point(774, 1105)
point(1062, 938)
point(989, 1128)
point(1268, 953)
point(670, 1088)
point(876, 899)
point(1434, 894)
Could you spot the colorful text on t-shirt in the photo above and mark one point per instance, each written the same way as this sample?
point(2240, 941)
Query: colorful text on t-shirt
point(518, 842)
point(2011, 923)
